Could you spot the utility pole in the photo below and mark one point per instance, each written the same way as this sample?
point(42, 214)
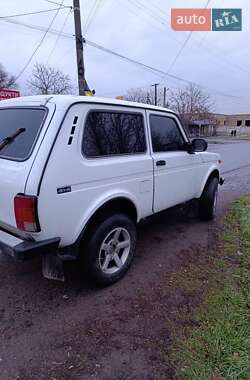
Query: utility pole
point(165, 97)
point(155, 86)
point(79, 48)
point(148, 98)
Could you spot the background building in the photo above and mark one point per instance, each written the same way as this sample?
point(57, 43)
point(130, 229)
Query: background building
point(203, 127)
point(227, 123)
point(220, 124)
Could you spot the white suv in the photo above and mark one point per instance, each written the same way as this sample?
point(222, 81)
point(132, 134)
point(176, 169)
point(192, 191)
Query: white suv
point(78, 173)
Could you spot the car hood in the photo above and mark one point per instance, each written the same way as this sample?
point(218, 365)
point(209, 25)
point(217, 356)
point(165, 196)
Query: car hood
point(210, 157)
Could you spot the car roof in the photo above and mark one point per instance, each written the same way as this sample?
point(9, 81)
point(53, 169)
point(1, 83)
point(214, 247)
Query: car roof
point(67, 100)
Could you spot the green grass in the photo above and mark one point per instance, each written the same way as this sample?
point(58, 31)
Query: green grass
point(219, 348)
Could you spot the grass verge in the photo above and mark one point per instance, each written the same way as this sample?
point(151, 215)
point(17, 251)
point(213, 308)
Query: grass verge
point(219, 346)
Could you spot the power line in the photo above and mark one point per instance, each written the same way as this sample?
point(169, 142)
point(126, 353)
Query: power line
point(54, 2)
point(148, 67)
point(215, 50)
point(222, 57)
point(94, 13)
point(38, 46)
point(179, 52)
point(155, 21)
point(37, 27)
point(58, 36)
point(207, 51)
point(42, 29)
point(143, 7)
point(152, 10)
point(33, 13)
point(131, 9)
point(158, 9)
point(89, 16)
point(151, 69)
point(67, 35)
point(147, 12)
point(184, 44)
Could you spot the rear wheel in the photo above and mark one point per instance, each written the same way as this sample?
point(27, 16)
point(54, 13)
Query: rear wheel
point(208, 200)
point(110, 249)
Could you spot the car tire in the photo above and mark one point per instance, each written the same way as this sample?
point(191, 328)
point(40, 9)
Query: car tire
point(110, 249)
point(208, 200)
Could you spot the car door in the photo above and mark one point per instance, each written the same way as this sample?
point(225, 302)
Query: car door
point(175, 170)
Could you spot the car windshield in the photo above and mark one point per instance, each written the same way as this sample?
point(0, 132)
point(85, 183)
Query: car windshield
point(14, 119)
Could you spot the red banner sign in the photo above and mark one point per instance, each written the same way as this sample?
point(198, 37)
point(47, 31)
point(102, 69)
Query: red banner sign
point(7, 94)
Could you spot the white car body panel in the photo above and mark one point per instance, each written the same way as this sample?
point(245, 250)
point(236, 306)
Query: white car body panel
point(56, 164)
point(93, 181)
point(174, 178)
point(14, 174)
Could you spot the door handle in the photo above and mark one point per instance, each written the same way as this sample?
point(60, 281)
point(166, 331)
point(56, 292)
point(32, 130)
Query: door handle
point(161, 163)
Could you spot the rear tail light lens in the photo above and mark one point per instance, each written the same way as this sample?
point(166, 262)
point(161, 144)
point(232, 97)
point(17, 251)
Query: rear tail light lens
point(26, 213)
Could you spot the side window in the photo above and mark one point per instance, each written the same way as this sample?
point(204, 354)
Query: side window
point(113, 133)
point(165, 134)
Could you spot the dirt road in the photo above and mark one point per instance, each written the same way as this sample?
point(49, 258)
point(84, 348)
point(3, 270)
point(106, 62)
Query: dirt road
point(70, 331)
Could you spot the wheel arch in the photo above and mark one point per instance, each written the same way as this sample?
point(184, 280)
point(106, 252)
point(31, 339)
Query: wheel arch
point(119, 204)
point(214, 173)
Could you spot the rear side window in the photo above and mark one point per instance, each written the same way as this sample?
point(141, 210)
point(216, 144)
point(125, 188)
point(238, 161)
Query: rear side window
point(11, 120)
point(165, 133)
point(113, 133)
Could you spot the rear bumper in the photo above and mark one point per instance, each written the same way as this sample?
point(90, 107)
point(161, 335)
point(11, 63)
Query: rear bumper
point(28, 249)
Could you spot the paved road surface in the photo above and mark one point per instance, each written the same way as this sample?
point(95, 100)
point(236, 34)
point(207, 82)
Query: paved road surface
point(234, 155)
point(72, 331)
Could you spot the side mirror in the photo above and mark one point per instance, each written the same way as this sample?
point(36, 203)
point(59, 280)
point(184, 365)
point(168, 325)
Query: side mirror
point(197, 145)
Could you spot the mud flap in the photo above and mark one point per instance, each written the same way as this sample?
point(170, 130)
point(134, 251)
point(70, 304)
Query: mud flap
point(53, 267)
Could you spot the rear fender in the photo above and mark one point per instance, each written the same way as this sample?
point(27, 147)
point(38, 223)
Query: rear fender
point(101, 201)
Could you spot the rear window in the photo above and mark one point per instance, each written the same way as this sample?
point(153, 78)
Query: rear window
point(113, 133)
point(11, 120)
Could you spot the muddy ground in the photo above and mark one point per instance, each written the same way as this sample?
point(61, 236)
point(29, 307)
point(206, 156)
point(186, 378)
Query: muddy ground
point(73, 331)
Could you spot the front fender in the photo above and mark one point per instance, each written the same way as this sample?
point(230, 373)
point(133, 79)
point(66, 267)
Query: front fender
point(213, 168)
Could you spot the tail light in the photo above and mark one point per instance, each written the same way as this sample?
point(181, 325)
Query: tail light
point(26, 213)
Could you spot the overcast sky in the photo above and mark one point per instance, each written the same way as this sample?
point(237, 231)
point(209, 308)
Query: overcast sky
point(139, 29)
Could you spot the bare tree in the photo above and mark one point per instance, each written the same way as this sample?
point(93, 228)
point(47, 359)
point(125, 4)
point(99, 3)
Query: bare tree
point(6, 80)
point(49, 80)
point(191, 103)
point(140, 95)
point(147, 96)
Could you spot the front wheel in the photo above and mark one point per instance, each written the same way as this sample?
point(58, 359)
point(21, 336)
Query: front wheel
point(111, 249)
point(208, 200)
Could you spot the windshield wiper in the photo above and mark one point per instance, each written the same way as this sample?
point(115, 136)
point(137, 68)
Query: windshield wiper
point(11, 138)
